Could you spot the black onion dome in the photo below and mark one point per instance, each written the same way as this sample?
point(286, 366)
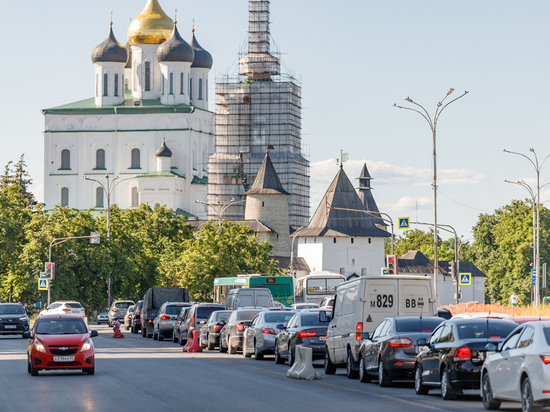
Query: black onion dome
point(110, 50)
point(203, 59)
point(163, 150)
point(129, 62)
point(175, 49)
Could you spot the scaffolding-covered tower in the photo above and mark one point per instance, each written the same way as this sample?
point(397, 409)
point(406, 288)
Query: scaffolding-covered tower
point(258, 110)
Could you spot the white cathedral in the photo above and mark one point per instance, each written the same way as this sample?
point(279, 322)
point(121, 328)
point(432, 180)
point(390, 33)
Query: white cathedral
point(147, 130)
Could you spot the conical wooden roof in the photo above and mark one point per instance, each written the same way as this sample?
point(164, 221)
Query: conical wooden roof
point(267, 181)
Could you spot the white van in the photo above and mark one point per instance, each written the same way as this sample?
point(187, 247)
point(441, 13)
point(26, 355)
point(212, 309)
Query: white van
point(249, 297)
point(360, 306)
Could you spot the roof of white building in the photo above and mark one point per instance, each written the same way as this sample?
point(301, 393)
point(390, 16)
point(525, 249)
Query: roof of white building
point(267, 181)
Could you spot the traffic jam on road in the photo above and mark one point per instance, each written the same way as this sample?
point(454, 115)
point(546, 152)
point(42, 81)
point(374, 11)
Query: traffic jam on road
point(379, 328)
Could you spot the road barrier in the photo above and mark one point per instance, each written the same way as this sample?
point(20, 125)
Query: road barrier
point(303, 365)
point(192, 344)
point(116, 328)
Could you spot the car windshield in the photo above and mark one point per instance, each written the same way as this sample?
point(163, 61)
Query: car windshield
point(312, 319)
point(485, 329)
point(11, 309)
point(417, 324)
point(105, 310)
point(204, 311)
point(123, 305)
point(74, 305)
point(278, 317)
point(247, 315)
point(60, 327)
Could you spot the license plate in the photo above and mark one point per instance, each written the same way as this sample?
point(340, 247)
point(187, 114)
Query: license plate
point(76, 311)
point(11, 326)
point(322, 338)
point(63, 358)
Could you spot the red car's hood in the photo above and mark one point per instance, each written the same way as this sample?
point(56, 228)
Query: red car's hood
point(63, 340)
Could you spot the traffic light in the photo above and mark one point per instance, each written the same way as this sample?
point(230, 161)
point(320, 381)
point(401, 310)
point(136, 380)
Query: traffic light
point(384, 271)
point(49, 271)
point(452, 269)
point(391, 264)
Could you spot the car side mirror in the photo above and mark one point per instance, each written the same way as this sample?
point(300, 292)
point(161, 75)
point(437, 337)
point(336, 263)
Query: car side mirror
point(201, 322)
point(491, 347)
point(365, 335)
point(422, 342)
point(323, 317)
point(247, 323)
point(221, 322)
point(94, 333)
point(29, 313)
point(27, 334)
point(281, 326)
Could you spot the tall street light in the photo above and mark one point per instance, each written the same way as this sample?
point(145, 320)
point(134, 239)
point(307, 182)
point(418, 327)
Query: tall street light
point(292, 250)
point(538, 167)
point(220, 208)
point(108, 188)
point(433, 126)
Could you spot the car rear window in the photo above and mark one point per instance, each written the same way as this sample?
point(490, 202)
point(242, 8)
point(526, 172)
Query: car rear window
point(279, 317)
point(222, 316)
point(11, 309)
point(247, 315)
point(172, 310)
point(312, 319)
point(485, 329)
point(60, 326)
point(204, 311)
point(123, 305)
point(74, 305)
point(417, 324)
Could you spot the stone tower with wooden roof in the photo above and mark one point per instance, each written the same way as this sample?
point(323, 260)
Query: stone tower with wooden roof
point(267, 202)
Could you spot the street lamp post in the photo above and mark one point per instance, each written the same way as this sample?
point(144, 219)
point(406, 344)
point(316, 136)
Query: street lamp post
point(433, 126)
point(108, 190)
point(538, 167)
point(220, 208)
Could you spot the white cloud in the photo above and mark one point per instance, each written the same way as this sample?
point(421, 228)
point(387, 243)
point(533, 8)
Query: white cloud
point(38, 192)
point(407, 203)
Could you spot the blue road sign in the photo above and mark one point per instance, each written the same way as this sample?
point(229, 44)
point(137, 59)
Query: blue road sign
point(534, 276)
point(43, 284)
point(404, 223)
point(465, 279)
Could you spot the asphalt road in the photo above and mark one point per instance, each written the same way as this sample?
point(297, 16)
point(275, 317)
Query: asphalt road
point(138, 374)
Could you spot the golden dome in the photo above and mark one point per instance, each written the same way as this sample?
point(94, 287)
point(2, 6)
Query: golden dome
point(152, 26)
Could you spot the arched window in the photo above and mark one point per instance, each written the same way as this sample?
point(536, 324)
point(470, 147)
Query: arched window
point(162, 81)
point(136, 161)
point(100, 159)
point(65, 159)
point(200, 89)
point(206, 89)
point(147, 76)
point(99, 197)
point(64, 196)
point(171, 83)
point(135, 197)
point(97, 84)
point(191, 89)
point(105, 84)
point(181, 83)
point(116, 84)
point(124, 87)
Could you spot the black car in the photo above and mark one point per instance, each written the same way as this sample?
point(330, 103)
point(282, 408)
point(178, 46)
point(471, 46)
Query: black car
point(452, 358)
point(210, 331)
point(196, 317)
point(304, 328)
point(390, 352)
point(135, 320)
point(14, 320)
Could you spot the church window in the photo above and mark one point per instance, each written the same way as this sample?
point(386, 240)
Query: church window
point(99, 197)
point(352, 262)
point(116, 84)
point(369, 240)
point(263, 204)
point(363, 271)
point(65, 159)
point(181, 83)
point(171, 83)
point(191, 89)
point(342, 271)
point(147, 76)
point(334, 240)
point(135, 197)
point(200, 89)
point(206, 89)
point(100, 159)
point(64, 196)
point(135, 159)
point(162, 80)
point(97, 85)
point(105, 84)
point(351, 240)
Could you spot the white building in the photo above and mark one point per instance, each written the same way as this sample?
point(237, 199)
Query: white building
point(152, 93)
point(343, 241)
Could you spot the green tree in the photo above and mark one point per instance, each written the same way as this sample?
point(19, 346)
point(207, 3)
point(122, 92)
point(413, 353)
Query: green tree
point(22, 178)
point(209, 255)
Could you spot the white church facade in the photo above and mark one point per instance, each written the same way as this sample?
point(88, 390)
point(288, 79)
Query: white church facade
point(150, 95)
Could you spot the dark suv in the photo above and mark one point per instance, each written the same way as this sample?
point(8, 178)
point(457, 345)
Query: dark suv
point(196, 317)
point(13, 319)
point(135, 321)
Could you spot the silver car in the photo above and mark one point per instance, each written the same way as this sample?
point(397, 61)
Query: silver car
point(163, 325)
point(259, 338)
point(128, 317)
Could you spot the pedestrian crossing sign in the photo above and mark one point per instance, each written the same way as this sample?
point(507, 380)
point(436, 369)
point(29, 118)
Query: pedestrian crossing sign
point(43, 284)
point(404, 223)
point(465, 279)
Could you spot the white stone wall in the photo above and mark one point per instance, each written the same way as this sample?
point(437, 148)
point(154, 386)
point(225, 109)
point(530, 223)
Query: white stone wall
point(176, 69)
point(470, 293)
point(198, 74)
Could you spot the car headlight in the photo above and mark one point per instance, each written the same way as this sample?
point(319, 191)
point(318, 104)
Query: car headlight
point(24, 318)
point(87, 345)
point(39, 346)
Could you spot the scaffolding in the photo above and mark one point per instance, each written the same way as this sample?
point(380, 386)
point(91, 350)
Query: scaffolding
point(258, 110)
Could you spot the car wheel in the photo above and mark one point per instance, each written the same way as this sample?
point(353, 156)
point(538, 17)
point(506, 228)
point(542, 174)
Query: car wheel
point(419, 387)
point(278, 359)
point(447, 392)
point(330, 369)
point(527, 402)
point(160, 336)
point(221, 348)
point(143, 332)
point(487, 394)
point(154, 335)
point(203, 345)
point(257, 354)
point(290, 357)
point(350, 372)
point(174, 339)
point(230, 349)
point(33, 371)
point(363, 376)
point(28, 366)
point(179, 340)
point(383, 375)
point(110, 324)
point(211, 345)
point(91, 371)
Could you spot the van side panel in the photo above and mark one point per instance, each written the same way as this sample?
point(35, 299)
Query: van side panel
point(348, 321)
point(380, 302)
point(414, 298)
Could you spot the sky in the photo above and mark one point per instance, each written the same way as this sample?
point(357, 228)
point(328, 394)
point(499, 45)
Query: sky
point(355, 59)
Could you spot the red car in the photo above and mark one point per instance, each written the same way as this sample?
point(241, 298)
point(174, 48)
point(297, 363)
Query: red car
point(60, 342)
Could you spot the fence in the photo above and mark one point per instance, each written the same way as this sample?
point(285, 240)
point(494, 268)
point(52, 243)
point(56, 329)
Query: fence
point(528, 310)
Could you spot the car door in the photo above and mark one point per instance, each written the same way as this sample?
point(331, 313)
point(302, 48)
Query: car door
point(285, 335)
point(251, 333)
point(370, 362)
point(378, 346)
point(516, 362)
point(501, 372)
point(430, 357)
